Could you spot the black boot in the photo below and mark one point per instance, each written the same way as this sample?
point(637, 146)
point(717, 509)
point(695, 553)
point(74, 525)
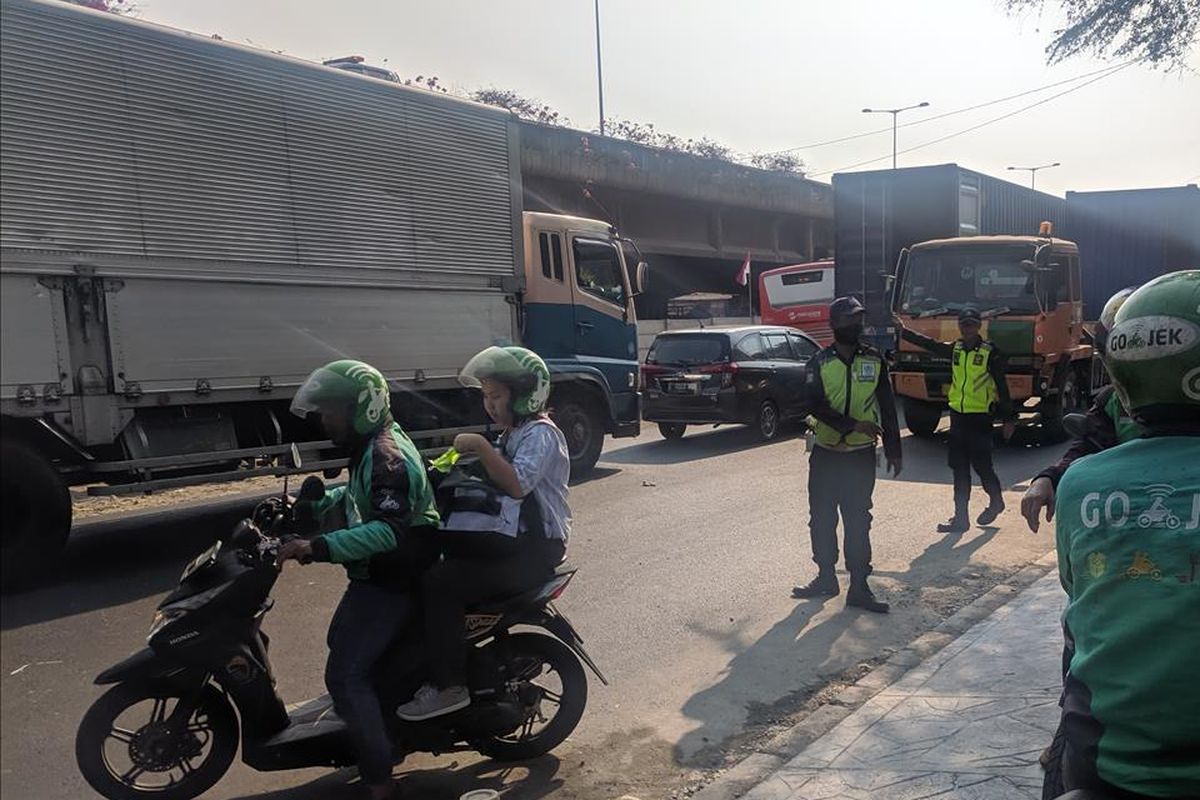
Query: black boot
point(861, 596)
point(959, 523)
point(824, 585)
point(995, 507)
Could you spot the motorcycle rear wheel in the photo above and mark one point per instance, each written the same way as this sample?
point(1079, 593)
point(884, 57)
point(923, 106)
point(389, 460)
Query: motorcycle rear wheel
point(548, 669)
point(123, 762)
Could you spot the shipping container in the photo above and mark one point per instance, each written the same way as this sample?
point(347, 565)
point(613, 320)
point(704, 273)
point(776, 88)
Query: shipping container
point(878, 213)
point(1128, 237)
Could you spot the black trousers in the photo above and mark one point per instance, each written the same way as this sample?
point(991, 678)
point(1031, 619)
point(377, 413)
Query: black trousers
point(366, 622)
point(971, 446)
point(477, 567)
point(841, 481)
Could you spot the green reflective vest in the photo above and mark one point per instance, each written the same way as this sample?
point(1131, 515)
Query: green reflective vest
point(850, 390)
point(972, 387)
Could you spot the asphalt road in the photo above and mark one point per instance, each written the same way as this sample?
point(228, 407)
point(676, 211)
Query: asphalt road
point(688, 551)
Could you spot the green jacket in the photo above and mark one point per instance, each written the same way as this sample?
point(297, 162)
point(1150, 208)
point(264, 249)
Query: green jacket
point(1128, 528)
point(388, 494)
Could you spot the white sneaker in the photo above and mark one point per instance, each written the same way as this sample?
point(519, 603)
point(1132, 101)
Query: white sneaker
point(430, 702)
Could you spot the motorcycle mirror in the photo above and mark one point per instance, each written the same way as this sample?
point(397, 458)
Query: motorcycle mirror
point(245, 535)
point(312, 489)
point(1079, 426)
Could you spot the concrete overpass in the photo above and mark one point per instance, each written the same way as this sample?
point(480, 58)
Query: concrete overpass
point(694, 218)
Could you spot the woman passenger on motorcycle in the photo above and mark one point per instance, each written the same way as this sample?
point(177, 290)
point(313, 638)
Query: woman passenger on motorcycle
point(381, 527)
point(501, 557)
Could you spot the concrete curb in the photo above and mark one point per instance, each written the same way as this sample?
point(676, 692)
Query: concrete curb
point(777, 751)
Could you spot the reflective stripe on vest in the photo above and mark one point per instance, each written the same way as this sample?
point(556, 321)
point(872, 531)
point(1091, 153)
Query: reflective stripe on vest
point(972, 387)
point(1127, 430)
point(850, 390)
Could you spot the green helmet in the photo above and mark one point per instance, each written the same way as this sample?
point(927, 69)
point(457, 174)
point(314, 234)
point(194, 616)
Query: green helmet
point(523, 371)
point(1108, 316)
point(1153, 350)
point(356, 387)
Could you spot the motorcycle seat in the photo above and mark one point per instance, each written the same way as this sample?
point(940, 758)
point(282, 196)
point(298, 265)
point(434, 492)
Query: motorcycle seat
point(542, 594)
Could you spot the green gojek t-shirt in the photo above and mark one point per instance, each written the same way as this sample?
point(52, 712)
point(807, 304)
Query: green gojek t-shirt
point(1128, 530)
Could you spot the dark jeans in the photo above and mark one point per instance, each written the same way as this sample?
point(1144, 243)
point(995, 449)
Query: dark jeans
point(841, 481)
point(366, 622)
point(477, 567)
point(971, 446)
point(1079, 772)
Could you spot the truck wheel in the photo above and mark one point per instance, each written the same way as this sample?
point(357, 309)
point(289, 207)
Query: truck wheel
point(583, 427)
point(36, 517)
point(922, 418)
point(1069, 400)
point(672, 430)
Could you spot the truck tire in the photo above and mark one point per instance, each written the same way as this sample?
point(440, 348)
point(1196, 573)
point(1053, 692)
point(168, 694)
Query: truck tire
point(922, 418)
point(36, 517)
point(1071, 399)
point(583, 425)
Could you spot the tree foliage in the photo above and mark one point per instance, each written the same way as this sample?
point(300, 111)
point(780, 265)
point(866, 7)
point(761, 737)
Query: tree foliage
point(523, 107)
point(111, 6)
point(1159, 31)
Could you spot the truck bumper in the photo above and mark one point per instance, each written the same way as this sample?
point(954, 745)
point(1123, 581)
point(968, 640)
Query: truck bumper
point(932, 386)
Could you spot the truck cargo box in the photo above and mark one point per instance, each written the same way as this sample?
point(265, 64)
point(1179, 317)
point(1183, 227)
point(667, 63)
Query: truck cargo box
point(249, 215)
point(1128, 237)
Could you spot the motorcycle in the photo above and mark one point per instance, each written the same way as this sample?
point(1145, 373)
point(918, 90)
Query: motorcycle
point(168, 727)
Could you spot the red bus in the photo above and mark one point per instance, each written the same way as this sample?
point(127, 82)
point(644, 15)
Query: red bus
point(798, 296)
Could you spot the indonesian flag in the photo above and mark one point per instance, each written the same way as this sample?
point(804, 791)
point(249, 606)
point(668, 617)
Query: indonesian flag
point(743, 275)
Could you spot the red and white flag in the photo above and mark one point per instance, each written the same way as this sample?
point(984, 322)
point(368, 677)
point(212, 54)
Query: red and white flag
point(743, 275)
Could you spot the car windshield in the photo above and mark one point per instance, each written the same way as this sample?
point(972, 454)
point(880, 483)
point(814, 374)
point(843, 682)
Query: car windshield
point(688, 349)
point(950, 278)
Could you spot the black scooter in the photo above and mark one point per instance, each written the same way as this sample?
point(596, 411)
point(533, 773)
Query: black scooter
point(168, 727)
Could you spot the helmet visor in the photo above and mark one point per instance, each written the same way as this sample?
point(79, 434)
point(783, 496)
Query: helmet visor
point(324, 389)
point(494, 362)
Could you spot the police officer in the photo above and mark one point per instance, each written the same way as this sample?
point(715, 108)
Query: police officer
point(850, 398)
point(978, 394)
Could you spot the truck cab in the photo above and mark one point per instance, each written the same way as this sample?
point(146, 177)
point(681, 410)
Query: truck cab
point(1028, 290)
point(577, 312)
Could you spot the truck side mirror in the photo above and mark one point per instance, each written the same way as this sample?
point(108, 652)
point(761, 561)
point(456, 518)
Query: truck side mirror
point(640, 275)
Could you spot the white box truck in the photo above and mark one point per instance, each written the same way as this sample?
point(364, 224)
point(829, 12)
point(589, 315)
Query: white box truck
point(189, 227)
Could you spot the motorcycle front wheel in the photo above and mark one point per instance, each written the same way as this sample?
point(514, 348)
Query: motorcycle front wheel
point(129, 747)
point(553, 687)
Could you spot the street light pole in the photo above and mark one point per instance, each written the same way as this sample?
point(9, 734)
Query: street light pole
point(895, 112)
point(1033, 171)
point(599, 69)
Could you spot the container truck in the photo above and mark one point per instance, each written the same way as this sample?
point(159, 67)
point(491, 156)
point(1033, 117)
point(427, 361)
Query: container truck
point(189, 227)
point(880, 212)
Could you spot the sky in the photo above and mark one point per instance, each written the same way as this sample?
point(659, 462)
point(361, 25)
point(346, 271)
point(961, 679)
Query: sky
point(765, 75)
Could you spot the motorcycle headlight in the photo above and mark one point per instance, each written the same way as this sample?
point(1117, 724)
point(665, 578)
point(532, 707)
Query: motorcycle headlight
point(163, 617)
point(168, 614)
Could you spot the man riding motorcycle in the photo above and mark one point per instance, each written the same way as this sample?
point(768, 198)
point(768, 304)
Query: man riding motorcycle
point(1128, 536)
point(380, 526)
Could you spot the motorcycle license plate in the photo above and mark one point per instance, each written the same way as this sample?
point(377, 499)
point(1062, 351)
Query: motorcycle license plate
point(201, 561)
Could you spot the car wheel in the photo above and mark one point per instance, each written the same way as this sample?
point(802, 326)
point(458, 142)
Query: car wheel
point(672, 431)
point(768, 421)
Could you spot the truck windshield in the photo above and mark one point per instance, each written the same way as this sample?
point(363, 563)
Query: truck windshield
point(950, 278)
